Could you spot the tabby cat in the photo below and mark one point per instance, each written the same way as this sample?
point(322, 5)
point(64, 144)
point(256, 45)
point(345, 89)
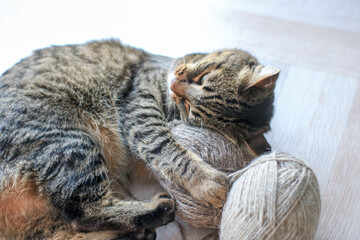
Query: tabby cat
point(70, 117)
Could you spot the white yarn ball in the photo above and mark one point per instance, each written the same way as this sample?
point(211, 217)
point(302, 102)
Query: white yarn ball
point(275, 197)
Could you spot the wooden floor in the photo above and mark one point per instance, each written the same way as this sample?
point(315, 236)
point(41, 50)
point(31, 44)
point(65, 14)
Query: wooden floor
point(315, 43)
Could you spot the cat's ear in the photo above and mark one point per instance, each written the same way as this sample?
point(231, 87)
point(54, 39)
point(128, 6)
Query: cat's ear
point(264, 77)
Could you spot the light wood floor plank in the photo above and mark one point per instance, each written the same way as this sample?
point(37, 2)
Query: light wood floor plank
point(316, 116)
point(292, 43)
point(341, 15)
point(341, 206)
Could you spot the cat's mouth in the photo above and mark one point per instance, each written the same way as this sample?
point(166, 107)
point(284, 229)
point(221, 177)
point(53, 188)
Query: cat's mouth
point(183, 105)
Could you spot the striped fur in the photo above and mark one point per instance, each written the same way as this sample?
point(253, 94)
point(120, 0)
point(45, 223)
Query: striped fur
point(71, 116)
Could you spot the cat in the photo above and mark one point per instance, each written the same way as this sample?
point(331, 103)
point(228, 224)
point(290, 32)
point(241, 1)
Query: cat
point(70, 117)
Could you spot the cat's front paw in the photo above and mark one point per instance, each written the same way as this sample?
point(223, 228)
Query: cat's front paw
point(212, 189)
point(161, 212)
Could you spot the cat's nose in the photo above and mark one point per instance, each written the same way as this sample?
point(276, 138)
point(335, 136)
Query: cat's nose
point(179, 86)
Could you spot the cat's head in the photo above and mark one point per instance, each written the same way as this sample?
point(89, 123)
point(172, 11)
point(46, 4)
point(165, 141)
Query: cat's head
point(227, 90)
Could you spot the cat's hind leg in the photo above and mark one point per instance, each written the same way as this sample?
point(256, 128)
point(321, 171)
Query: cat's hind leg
point(126, 216)
point(76, 181)
point(26, 214)
point(69, 168)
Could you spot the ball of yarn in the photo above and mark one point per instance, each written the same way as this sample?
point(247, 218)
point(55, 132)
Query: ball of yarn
point(214, 149)
point(275, 197)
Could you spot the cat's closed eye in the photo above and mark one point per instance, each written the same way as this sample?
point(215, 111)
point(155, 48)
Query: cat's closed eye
point(202, 78)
